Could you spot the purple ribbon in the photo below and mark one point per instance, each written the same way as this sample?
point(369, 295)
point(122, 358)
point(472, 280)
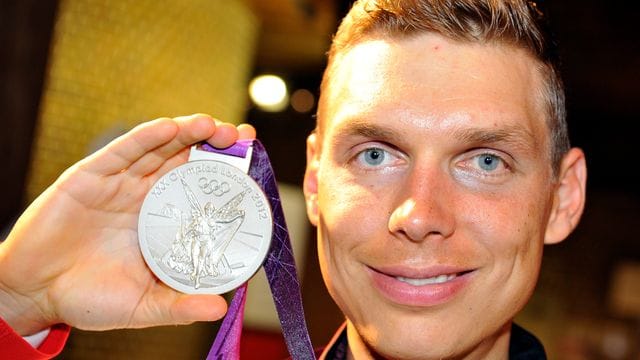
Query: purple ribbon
point(281, 273)
point(227, 342)
point(239, 148)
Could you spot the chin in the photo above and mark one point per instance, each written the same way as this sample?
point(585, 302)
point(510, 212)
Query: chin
point(410, 348)
point(425, 349)
point(406, 338)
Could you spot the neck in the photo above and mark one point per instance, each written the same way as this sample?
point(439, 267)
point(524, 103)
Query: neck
point(358, 349)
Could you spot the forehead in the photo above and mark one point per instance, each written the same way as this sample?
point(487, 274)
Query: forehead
point(430, 81)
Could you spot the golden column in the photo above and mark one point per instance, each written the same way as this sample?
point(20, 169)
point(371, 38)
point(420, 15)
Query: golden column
point(114, 64)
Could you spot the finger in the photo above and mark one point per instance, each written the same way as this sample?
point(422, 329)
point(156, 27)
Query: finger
point(172, 163)
point(246, 132)
point(130, 147)
point(225, 135)
point(191, 129)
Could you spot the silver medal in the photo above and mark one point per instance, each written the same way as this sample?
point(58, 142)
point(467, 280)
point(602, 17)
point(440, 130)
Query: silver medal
point(205, 227)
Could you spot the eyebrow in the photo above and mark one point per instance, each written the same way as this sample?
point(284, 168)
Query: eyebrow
point(512, 135)
point(365, 129)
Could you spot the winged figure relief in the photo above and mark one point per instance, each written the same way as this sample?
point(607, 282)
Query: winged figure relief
point(203, 236)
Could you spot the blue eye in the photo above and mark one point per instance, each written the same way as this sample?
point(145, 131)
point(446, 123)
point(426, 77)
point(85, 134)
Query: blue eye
point(373, 156)
point(488, 162)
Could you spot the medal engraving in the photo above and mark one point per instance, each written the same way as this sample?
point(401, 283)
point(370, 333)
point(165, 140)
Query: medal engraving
point(205, 227)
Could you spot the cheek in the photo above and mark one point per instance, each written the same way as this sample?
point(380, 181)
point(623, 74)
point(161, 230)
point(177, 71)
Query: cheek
point(509, 221)
point(350, 211)
point(510, 232)
point(353, 212)
point(349, 220)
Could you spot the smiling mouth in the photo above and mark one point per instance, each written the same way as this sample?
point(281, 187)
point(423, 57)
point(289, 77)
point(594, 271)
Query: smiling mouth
point(428, 281)
point(422, 281)
point(429, 286)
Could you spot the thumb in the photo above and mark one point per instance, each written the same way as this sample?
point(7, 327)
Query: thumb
point(190, 308)
point(168, 307)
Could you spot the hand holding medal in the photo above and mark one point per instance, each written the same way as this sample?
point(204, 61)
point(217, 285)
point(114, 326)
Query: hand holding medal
point(78, 243)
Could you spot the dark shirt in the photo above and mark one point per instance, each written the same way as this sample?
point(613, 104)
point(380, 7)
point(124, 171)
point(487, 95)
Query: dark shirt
point(522, 346)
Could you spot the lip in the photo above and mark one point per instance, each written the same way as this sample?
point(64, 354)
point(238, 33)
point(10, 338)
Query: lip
point(385, 280)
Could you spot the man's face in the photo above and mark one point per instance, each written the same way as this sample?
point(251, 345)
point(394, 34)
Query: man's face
point(431, 188)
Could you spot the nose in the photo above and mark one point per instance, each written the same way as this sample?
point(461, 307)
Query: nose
point(426, 208)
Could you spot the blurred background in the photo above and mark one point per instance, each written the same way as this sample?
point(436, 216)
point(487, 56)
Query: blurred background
point(76, 73)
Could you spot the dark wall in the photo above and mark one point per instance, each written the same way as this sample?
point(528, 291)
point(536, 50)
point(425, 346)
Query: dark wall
point(25, 31)
point(600, 50)
point(601, 65)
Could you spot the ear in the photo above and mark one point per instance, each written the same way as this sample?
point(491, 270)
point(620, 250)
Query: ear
point(569, 197)
point(310, 186)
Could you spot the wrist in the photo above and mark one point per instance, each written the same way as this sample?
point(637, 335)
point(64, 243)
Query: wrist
point(19, 311)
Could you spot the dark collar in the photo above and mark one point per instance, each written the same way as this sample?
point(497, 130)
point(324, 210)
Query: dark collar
point(522, 345)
